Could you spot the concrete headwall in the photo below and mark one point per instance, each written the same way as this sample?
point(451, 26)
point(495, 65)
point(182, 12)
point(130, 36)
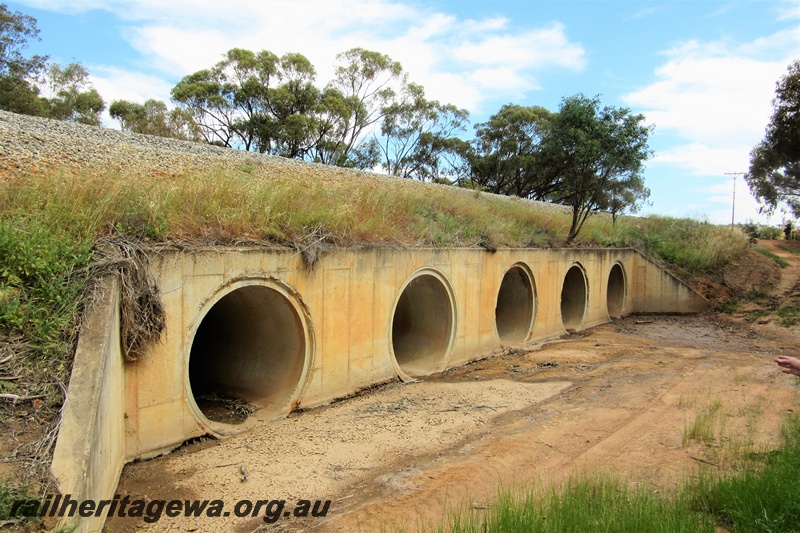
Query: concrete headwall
point(360, 317)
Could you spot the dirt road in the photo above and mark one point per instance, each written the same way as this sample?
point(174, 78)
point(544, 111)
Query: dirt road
point(623, 397)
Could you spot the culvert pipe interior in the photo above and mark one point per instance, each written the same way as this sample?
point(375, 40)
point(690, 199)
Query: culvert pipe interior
point(249, 346)
point(422, 325)
point(574, 296)
point(515, 306)
point(616, 291)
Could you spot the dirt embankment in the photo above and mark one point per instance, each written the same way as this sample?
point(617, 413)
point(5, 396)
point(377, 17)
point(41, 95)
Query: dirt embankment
point(627, 397)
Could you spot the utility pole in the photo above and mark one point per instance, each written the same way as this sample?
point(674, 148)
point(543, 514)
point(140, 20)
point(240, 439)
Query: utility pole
point(733, 205)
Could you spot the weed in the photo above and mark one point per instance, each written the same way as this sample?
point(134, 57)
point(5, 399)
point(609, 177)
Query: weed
point(731, 306)
point(705, 425)
point(788, 315)
point(755, 295)
point(755, 315)
point(584, 503)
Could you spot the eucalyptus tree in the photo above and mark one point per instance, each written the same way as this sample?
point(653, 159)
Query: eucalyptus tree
point(504, 155)
point(364, 90)
point(416, 132)
point(254, 100)
point(595, 151)
point(153, 118)
point(774, 175)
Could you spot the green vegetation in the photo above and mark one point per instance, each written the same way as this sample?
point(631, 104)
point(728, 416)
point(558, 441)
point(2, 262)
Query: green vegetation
point(694, 246)
point(791, 249)
point(774, 173)
point(730, 306)
point(756, 231)
point(584, 503)
point(788, 314)
point(761, 494)
point(69, 95)
point(259, 203)
point(783, 263)
point(705, 426)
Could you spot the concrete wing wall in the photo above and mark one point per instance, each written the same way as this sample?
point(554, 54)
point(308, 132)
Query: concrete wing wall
point(90, 450)
point(658, 291)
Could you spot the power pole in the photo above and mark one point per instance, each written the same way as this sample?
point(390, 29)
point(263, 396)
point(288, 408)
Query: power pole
point(733, 205)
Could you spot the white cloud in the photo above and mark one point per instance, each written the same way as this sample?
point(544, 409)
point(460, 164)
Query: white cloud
point(711, 99)
point(453, 58)
point(710, 103)
point(789, 10)
point(704, 160)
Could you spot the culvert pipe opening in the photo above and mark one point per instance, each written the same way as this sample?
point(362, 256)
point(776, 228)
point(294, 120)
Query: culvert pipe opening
point(422, 325)
point(515, 306)
point(248, 352)
point(573, 298)
point(615, 295)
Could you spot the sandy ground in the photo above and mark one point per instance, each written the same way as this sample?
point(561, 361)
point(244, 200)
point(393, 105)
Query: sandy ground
point(621, 397)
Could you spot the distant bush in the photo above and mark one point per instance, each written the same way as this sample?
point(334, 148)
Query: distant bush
point(756, 231)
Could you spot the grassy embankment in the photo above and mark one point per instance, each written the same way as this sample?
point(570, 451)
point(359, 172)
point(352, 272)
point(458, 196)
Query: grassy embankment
point(50, 224)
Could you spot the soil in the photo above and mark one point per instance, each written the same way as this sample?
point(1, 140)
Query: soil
point(622, 398)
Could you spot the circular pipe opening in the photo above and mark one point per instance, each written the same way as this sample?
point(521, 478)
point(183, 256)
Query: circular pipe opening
point(573, 298)
point(615, 295)
point(422, 325)
point(513, 313)
point(250, 348)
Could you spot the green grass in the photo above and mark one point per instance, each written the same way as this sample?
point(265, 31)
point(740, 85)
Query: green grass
point(755, 315)
point(705, 426)
point(788, 314)
point(791, 249)
point(762, 494)
point(695, 246)
point(783, 263)
point(584, 503)
point(730, 306)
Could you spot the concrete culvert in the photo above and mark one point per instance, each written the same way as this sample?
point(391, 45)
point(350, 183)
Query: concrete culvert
point(250, 348)
point(422, 326)
point(615, 295)
point(573, 298)
point(513, 313)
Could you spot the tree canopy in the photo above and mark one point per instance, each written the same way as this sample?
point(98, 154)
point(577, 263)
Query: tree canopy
point(598, 154)
point(69, 93)
point(153, 118)
point(774, 175)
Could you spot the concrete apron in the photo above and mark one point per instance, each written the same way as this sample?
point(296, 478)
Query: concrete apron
point(259, 326)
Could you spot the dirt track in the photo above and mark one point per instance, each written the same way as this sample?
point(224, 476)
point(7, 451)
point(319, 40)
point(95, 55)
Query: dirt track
point(620, 397)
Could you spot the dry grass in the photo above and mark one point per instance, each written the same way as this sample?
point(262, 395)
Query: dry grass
point(271, 204)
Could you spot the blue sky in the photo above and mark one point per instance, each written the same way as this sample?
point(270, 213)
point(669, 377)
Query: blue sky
point(703, 72)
